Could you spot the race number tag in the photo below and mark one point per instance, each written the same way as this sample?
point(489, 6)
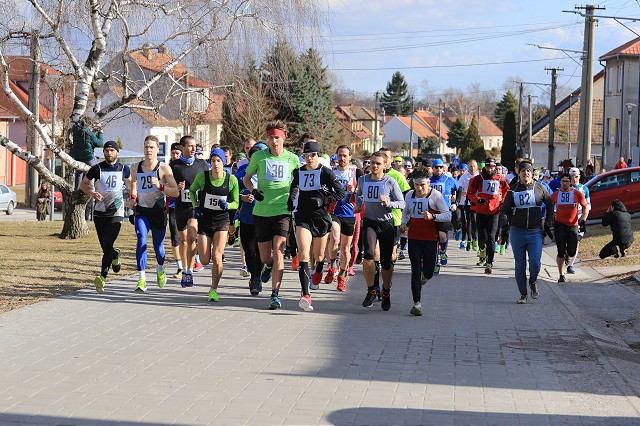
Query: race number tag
point(309, 180)
point(418, 206)
point(277, 171)
point(212, 202)
point(145, 182)
point(491, 187)
point(372, 191)
point(524, 199)
point(185, 196)
point(438, 186)
point(566, 198)
point(111, 181)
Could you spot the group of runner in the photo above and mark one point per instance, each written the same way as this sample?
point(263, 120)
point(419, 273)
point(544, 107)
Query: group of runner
point(335, 213)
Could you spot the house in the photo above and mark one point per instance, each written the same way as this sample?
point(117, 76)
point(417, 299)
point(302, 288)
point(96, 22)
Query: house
point(179, 103)
point(400, 131)
point(361, 126)
point(437, 126)
point(566, 125)
point(490, 134)
point(621, 104)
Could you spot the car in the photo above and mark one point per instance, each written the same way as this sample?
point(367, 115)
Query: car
point(57, 200)
point(622, 184)
point(7, 199)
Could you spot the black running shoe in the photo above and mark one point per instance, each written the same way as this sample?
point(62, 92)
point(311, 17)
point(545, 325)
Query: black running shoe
point(359, 258)
point(386, 300)
point(255, 286)
point(534, 290)
point(370, 298)
point(562, 279)
point(522, 299)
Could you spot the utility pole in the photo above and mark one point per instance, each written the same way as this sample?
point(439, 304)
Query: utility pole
point(519, 148)
point(33, 141)
point(552, 116)
point(586, 92)
point(529, 130)
point(439, 126)
point(411, 131)
point(375, 125)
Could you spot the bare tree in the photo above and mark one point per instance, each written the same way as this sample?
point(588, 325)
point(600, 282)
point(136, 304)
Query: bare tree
point(86, 34)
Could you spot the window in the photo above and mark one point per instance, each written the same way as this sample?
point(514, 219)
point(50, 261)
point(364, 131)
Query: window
point(163, 149)
point(612, 181)
point(4, 189)
point(635, 177)
point(612, 132)
point(199, 101)
point(619, 72)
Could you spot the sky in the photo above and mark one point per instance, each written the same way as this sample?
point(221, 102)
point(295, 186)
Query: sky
point(364, 41)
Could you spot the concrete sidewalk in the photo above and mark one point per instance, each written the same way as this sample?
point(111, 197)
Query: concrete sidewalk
point(169, 356)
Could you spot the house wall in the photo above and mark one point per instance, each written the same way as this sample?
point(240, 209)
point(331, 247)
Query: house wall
point(128, 127)
point(491, 142)
point(395, 131)
point(541, 153)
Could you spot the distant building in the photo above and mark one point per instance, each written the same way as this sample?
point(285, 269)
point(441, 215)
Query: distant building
point(360, 124)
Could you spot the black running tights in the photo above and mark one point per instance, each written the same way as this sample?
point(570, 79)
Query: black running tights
point(250, 246)
point(487, 228)
point(108, 229)
point(422, 255)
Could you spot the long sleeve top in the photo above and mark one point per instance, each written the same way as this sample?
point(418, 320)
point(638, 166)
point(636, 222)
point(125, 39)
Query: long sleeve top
point(369, 192)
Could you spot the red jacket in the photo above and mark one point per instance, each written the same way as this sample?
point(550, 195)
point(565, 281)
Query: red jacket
point(491, 189)
point(620, 165)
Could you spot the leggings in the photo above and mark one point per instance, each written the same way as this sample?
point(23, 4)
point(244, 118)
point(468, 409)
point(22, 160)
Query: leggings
point(487, 228)
point(610, 249)
point(143, 226)
point(422, 255)
point(566, 239)
point(355, 242)
point(173, 229)
point(107, 229)
point(383, 233)
point(250, 246)
point(471, 225)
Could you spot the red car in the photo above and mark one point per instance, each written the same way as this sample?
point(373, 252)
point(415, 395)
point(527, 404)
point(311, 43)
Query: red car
point(623, 184)
point(57, 200)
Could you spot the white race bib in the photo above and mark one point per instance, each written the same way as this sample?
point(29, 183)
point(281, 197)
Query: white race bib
point(277, 171)
point(566, 198)
point(309, 180)
point(372, 191)
point(524, 199)
point(212, 202)
point(418, 206)
point(111, 181)
point(491, 187)
point(185, 196)
point(145, 182)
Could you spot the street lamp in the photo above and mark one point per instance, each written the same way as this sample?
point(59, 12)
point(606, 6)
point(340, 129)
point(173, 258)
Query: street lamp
point(630, 107)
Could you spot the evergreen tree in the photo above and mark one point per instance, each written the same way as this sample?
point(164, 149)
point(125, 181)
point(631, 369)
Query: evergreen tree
point(473, 145)
point(456, 136)
point(429, 144)
point(508, 103)
point(508, 151)
point(396, 99)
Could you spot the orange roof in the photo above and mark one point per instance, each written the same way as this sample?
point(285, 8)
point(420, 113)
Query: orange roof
point(159, 60)
point(20, 68)
point(630, 48)
point(149, 115)
point(356, 112)
point(23, 96)
point(487, 127)
point(431, 121)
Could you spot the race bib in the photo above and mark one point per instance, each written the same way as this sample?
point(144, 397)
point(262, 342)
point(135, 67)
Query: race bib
point(418, 206)
point(524, 199)
point(372, 191)
point(111, 181)
point(277, 171)
point(309, 180)
point(185, 196)
point(491, 187)
point(439, 186)
point(212, 202)
point(145, 182)
point(565, 198)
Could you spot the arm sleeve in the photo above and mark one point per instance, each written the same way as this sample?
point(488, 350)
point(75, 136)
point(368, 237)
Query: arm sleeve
point(94, 172)
point(126, 172)
point(507, 205)
point(234, 192)
point(406, 211)
point(471, 190)
point(441, 206)
point(293, 189)
point(332, 182)
point(196, 185)
point(252, 168)
point(396, 199)
point(359, 192)
point(546, 199)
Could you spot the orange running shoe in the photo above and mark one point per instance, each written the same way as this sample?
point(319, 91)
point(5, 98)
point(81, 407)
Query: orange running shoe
point(342, 283)
point(295, 264)
point(330, 276)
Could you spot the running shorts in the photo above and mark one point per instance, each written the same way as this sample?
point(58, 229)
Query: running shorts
point(183, 215)
point(347, 225)
point(317, 225)
point(268, 227)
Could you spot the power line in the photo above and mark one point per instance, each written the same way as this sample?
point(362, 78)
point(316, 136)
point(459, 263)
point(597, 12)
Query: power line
point(449, 65)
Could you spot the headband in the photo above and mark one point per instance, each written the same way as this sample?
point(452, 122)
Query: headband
point(420, 181)
point(277, 132)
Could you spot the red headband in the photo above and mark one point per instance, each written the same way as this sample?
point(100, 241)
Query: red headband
point(277, 132)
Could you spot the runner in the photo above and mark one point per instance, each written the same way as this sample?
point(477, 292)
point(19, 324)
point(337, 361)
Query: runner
point(176, 152)
point(109, 177)
point(522, 209)
point(213, 193)
point(469, 229)
point(486, 193)
point(446, 186)
point(344, 219)
point(314, 186)
point(274, 167)
point(568, 202)
point(424, 208)
point(380, 194)
point(574, 172)
point(185, 170)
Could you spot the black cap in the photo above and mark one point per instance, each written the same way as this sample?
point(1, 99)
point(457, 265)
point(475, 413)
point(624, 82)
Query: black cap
point(489, 161)
point(111, 144)
point(311, 146)
point(176, 146)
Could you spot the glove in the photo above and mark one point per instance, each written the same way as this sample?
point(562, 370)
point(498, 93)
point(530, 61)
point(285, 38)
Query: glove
point(258, 195)
point(132, 219)
point(198, 212)
point(223, 204)
point(548, 231)
point(582, 227)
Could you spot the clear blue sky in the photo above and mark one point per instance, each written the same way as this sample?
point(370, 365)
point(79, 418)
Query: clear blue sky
point(412, 33)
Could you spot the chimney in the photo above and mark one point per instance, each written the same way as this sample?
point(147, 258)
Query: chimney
point(146, 51)
point(162, 49)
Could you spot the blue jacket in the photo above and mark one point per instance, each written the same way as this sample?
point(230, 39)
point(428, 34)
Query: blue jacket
point(246, 209)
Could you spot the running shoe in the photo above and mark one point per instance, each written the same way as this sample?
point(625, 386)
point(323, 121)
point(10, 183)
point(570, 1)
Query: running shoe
point(265, 275)
point(197, 267)
point(456, 234)
point(178, 274)
point(469, 245)
point(244, 272)
point(316, 277)
point(115, 263)
point(443, 258)
point(570, 270)
point(99, 283)
point(386, 300)
point(141, 287)
point(253, 286)
point(305, 303)
point(161, 278)
point(474, 245)
point(436, 271)
point(213, 296)
point(482, 258)
point(342, 284)
point(359, 258)
point(562, 279)
point(503, 249)
point(351, 272)
point(496, 247)
point(462, 245)
point(295, 263)
point(187, 279)
point(370, 298)
point(522, 299)
point(423, 279)
point(401, 255)
point(488, 269)
point(416, 309)
point(331, 274)
point(534, 290)
point(274, 303)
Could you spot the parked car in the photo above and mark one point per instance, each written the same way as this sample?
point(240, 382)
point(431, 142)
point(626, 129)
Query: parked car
point(7, 199)
point(57, 200)
point(623, 184)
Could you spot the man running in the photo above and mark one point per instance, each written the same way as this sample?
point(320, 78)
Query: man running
point(445, 185)
point(109, 176)
point(380, 194)
point(469, 230)
point(274, 168)
point(344, 218)
point(185, 170)
point(574, 173)
point(486, 193)
point(150, 181)
point(176, 152)
point(424, 208)
point(569, 202)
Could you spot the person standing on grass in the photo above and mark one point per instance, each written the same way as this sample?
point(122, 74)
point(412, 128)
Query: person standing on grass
point(108, 176)
point(150, 181)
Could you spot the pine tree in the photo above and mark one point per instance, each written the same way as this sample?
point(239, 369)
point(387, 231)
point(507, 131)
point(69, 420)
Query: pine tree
point(508, 151)
point(508, 103)
point(396, 99)
point(456, 136)
point(474, 147)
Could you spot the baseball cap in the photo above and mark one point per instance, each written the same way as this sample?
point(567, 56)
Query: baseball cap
point(111, 144)
point(397, 158)
point(437, 162)
point(574, 171)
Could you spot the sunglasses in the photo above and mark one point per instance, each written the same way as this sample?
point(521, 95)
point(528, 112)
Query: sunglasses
point(366, 162)
point(310, 154)
point(438, 167)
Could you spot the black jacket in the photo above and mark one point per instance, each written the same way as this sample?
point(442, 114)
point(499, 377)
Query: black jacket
point(527, 218)
point(620, 221)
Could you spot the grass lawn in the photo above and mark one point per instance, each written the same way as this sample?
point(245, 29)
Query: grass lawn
point(597, 236)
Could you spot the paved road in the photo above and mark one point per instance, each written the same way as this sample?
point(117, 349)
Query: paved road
point(170, 357)
point(22, 215)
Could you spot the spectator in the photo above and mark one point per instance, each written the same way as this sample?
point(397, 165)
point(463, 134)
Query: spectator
point(619, 219)
point(621, 164)
point(87, 135)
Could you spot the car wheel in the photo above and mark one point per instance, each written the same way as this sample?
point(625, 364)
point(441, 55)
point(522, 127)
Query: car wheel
point(10, 208)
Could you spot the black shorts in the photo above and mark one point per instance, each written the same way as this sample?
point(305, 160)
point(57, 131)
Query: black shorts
point(443, 226)
point(210, 225)
point(347, 225)
point(183, 214)
point(317, 225)
point(566, 239)
point(268, 227)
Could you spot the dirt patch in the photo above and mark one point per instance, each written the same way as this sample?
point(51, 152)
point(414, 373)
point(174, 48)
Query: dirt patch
point(597, 236)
